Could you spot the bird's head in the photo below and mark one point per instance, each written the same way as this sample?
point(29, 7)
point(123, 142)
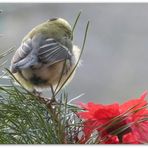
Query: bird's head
point(61, 26)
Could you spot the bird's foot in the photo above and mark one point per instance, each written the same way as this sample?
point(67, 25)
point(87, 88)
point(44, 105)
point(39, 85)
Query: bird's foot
point(52, 102)
point(40, 96)
point(45, 100)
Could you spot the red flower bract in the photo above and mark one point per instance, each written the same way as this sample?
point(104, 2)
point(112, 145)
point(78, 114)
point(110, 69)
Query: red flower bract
point(130, 138)
point(125, 123)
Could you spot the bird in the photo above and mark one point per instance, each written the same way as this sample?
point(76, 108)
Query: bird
point(46, 56)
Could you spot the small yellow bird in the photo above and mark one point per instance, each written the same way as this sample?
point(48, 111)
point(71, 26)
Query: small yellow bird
point(45, 56)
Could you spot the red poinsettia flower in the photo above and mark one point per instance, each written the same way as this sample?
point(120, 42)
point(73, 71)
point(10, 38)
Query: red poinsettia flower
point(126, 123)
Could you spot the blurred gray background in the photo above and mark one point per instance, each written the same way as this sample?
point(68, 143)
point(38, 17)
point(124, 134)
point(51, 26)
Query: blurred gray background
point(115, 58)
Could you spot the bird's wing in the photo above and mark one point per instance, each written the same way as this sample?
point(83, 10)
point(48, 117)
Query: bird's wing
point(38, 51)
point(21, 57)
point(24, 49)
point(52, 51)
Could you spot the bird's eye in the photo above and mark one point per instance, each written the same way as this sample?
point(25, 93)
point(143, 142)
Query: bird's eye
point(53, 19)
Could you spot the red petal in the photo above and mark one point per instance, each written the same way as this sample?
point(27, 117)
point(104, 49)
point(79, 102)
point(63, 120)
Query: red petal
point(129, 139)
point(85, 115)
point(90, 106)
point(145, 93)
point(111, 140)
point(94, 107)
point(135, 108)
point(140, 130)
point(135, 103)
point(107, 113)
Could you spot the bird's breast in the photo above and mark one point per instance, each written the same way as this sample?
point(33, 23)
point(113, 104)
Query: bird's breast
point(46, 75)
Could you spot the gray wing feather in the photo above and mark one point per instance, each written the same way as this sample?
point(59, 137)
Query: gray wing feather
point(20, 58)
point(37, 51)
point(22, 51)
point(52, 52)
point(26, 63)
